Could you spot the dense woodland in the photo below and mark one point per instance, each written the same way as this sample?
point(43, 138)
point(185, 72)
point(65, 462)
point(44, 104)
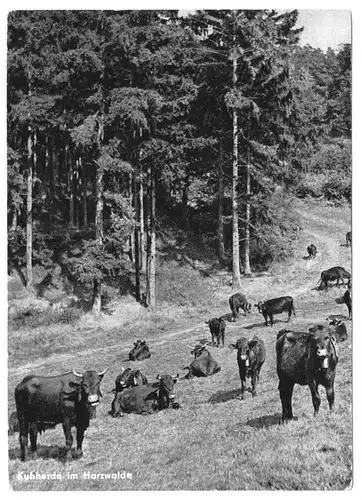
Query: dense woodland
point(124, 123)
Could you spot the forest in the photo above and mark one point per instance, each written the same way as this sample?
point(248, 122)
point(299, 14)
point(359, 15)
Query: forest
point(126, 127)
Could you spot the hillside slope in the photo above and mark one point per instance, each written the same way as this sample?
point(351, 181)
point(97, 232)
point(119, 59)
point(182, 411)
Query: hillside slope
point(215, 441)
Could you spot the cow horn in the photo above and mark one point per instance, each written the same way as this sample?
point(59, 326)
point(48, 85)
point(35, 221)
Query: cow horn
point(100, 374)
point(77, 374)
point(175, 376)
point(122, 369)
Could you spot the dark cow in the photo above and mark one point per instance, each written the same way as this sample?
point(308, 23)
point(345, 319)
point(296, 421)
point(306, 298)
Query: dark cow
point(217, 329)
point(312, 251)
point(14, 425)
point(140, 351)
point(276, 306)
point(347, 299)
point(307, 359)
point(68, 399)
point(236, 302)
point(148, 398)
point(128, 378)
point(203, 365)
point(250, 356)
point(349, 238)
point(332, 274)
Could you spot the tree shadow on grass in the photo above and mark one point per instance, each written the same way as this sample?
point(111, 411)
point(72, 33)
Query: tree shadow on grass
point(44, 453)
point(224, 396)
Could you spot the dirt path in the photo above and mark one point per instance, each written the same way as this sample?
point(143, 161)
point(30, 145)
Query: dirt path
point(295, 279)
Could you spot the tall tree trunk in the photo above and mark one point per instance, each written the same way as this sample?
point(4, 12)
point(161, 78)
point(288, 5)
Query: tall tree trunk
point(131, 238)
point(70, 171)
point(235, 222)
point(247, 217)
point(77, 193)
point(185, 208)
point(151, 257)
point(220, 226)
point(29, 215)
point(14, 221)
point(83, 169)
point(143, 253)
point(137, 254)
point(97, 289)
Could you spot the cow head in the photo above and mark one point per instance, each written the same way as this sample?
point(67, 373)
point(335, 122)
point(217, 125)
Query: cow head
point(199, 349)
point(88, 387)
point(320, 342)
point(260, 306)
point(166, 394)
point(125, 379)
point(140, 347)
point(245, 350)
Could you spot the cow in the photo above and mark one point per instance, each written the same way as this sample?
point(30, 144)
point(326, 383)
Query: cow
point(204, 365)
point(276, 306)
point(14, 425)
point(349, 238)
point(217, 329)
point(68, 399)
point(332, 274)
point(312, 251)
point(140, 351)
point(128, 378)
point(339, 334)
point(236, 302)
point(347, 299)
point(307, 359)
point(250, 357)
point(148, 398)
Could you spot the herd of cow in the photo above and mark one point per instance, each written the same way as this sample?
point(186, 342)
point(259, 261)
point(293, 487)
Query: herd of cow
point(305, 358)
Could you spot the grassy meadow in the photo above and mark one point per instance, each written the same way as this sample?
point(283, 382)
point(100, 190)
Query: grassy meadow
point(215, 440)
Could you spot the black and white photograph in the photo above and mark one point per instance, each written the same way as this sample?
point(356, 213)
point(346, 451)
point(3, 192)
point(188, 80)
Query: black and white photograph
point(179, 249)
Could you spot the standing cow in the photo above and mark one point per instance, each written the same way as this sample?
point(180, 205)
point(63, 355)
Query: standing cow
point(334, 273)
point(276, 306)
point(347, 299)
point(236, 302)
point(68, 399)
point(250, 356)
point(307, 359)
point(217, 329)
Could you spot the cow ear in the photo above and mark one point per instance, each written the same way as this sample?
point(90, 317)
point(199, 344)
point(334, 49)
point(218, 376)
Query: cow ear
point(158, 377)
point(74, 385)
point(252, 343)
point(232, 346)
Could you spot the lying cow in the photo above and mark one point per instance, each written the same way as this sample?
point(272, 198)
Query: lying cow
point(68, 399)
point(148, 398)
point(276, 306)
point(204, 365)
point(349, 238)
point(334, 273)
point(312, 251)
point(128, 378)
point(236, 302)
point(140, 351)
point(250, 356)
point(217, 329)
point(307, 359)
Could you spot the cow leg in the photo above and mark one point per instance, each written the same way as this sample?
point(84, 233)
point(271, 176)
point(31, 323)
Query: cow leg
point(285, 393)
point(213, 339)
point(80, 437)
point(254, 381)
point(243, 387)
point(266, 319)
point(33, 431)
point(68, 440)
point(316, 399)
point(271, 319)
point(23, 436)
point(330, 396)
point(218, 340)
point(223, 339)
